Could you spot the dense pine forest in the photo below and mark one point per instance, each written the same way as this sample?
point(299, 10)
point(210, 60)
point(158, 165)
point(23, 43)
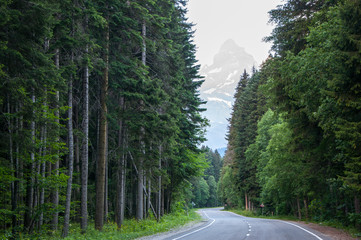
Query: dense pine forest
point(294, 142)
point(100, 113)
point(101, 118)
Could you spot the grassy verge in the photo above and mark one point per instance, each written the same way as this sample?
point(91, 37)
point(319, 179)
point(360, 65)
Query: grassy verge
point(252, 214)
point(131, 229)
point(349, 229)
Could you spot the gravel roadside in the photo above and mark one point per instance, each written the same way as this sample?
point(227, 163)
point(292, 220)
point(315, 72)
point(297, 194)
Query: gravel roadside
point(334, 233)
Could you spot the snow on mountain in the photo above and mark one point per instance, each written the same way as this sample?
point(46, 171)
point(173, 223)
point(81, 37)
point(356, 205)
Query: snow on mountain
point(210, 91)
point(221, 79)
point(220, 100)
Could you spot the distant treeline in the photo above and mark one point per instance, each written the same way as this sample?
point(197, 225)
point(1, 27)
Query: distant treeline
point(204, 189)
point(294, 141)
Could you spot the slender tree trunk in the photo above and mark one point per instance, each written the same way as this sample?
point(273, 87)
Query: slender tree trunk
point(246, 200)
point(106, 203)
point(144, 194)
point(30, 180)
point(100, 176)
point(13, 167)
point(55, 166)
point(162, 203)
point(76, 180)
point(132, 195)
point(42, 171)
point(299, 209)
point(41, 165)
point(149, 192)
point(144, 47)
point(139, 213)
point(18, 173)
point(122, 183)
point(159, 197)
point(84, 149)
point(119, 214)
point(306, 207)
point(70, 159)
point(140, 196)
point(19, 163)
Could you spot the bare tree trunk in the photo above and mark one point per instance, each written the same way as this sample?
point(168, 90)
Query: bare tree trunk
point(140, 197)
point(84, 149)
point(132, 195)
point(306, 207)
point(70, 158)
point(42, 171)
point(149, 191)
point(19, 163)
point(100, 176)
point(30, 180)
point(76, 180)
point(43, 152)
point(162, 203)
point(159, 199)
point(119, 213)
point(299, 209)
point(139, 213)
point(106, 206)
point(144, 194)
point(122, 183)
point(246, 200)
point(13, 167)
point(55, 166)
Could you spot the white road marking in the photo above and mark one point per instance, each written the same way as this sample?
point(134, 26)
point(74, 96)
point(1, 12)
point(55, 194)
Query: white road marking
point(290, 224)
point(303, 230)
point(213, 220)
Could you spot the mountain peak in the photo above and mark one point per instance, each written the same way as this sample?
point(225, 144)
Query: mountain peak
point(231, 53)
point(221, 78)
point(228, 45)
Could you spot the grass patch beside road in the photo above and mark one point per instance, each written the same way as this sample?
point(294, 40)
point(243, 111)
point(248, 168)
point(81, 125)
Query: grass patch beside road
point(352, 231)
point(131, 228)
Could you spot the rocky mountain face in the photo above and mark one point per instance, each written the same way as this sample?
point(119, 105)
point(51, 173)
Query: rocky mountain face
point(218, 89)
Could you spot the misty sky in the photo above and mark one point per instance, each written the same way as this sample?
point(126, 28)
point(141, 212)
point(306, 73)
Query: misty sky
point(245, 21)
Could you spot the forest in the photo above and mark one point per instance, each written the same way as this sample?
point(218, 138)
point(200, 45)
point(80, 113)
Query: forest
point(294, 139)
point(100, 113)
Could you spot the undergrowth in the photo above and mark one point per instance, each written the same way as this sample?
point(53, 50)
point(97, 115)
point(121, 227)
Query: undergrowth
point(131, 228)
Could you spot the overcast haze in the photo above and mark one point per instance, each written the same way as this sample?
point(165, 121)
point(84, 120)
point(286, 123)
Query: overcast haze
point(244, 21)
point(216, 21)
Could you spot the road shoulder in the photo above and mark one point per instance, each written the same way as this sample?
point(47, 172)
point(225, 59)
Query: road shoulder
point(331, 232)
point(188, 227)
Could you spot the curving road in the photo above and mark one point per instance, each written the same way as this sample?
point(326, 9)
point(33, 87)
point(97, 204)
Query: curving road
point(222, 225)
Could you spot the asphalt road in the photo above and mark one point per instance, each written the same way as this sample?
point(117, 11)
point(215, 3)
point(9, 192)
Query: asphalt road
point(223, 225)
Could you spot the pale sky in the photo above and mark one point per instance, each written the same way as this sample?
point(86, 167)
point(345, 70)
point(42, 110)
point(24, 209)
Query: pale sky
point(244, 21)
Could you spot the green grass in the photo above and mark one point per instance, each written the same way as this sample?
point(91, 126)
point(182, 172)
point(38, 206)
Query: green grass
point(252, 214)
point(131, 229)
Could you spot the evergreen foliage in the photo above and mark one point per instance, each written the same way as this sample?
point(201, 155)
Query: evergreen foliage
point(302, 156)
point(106, 85)
point(205, 188)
